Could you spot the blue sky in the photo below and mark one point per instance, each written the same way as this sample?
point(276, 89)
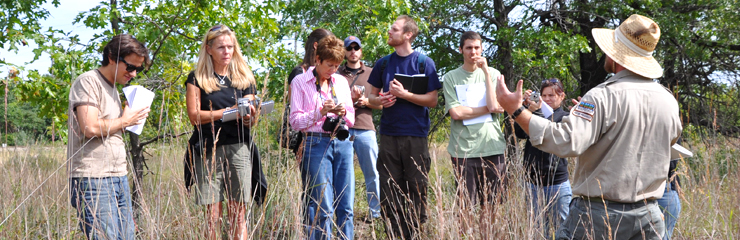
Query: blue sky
point(59, 18)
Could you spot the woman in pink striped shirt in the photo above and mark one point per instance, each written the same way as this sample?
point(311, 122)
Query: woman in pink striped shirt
point(327, 170)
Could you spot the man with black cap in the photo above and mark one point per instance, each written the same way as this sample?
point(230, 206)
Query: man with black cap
point(621, 131)
point(363, 133)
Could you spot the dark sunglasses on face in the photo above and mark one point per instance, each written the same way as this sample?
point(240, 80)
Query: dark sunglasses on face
point(356, 48)
point(551, 80)
point(131, 67)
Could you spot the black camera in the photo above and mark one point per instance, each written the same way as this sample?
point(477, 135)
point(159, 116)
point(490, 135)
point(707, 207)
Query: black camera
point(336, 125)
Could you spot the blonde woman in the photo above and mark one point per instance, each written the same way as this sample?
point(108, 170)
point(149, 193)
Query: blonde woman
point(220, 150)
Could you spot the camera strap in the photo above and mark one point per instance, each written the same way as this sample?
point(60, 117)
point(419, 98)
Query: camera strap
point(357, 75)
point(331, 87)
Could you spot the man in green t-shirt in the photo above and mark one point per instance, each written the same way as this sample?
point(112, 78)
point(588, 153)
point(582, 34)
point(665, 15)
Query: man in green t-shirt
point(476, 142)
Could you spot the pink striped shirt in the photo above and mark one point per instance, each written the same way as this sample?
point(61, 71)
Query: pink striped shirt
point(306, 104)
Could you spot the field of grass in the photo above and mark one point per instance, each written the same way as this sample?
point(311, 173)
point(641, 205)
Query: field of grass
point(34, 201)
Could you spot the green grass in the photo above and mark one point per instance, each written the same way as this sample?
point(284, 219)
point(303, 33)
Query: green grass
point(710, 196)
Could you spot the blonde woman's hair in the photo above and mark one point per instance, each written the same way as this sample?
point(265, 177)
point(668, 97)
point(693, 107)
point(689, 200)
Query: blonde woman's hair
point(238, 71)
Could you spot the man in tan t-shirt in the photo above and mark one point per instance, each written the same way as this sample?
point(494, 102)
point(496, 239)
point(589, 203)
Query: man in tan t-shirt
point(621, 131)
point(99, 187)
point(363, 132)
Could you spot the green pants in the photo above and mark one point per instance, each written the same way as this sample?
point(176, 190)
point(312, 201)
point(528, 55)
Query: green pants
point(594, 219)
point(228, 173)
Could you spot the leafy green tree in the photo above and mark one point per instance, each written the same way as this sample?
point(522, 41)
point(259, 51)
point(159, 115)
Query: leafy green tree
point(698, 49)
point(20, 22)
point(368, 20)
point(19, 121)
point(172, 30)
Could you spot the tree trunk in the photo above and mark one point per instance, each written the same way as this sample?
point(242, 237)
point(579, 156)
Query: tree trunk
point(136, 151)
point(504, 57)
point(137, 158)
point(591, 64)
point(592, 68)
point(114, 17)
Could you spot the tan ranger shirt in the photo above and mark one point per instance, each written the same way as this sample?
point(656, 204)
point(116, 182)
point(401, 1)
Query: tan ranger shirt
point(95, 157)
point(621, 132)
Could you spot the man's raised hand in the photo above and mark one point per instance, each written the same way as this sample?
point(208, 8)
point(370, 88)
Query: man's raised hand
point(574, 102)
point(482, 63)
point(510, 101)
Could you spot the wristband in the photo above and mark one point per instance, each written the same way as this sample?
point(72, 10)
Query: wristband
point(517, 112)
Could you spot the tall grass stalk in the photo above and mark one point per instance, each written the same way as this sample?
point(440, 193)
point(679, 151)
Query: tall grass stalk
point(710, 196)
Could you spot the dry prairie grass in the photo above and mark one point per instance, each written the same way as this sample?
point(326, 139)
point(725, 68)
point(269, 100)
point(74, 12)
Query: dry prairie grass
point(34, 201)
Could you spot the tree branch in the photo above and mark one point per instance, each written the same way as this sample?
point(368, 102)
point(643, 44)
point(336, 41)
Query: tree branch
point(166, 135)
point(483, 15)
point(454, 29)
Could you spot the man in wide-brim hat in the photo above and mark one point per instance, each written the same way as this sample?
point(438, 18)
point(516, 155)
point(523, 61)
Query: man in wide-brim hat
point(621, 131)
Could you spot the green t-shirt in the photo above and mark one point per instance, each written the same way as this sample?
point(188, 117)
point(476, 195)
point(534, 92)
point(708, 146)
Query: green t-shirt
point(477, 140)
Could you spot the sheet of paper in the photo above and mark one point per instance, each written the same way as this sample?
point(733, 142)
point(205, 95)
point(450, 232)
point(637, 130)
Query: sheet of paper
point(546, 110)
point(462, 94)
point(138, 97)
point(678, 151)
point(473, 95)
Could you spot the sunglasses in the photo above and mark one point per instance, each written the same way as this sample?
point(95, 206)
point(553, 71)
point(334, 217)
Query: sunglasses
point(215, 28)
point(356, 48)
point(131, 67)
point(551, 80)
point(219, 27)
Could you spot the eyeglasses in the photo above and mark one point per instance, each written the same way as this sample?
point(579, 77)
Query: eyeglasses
point(551, 80)
point(356, 48)
point(131, 67)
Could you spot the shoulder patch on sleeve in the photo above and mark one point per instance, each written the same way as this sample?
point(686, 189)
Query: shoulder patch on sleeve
point(582, 115)
point(585, 110)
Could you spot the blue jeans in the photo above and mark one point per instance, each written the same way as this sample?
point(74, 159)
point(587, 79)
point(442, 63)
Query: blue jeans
point(103, 207)
point(366, 148)
point(328, 176)
point(670, 205)
point(556, 200)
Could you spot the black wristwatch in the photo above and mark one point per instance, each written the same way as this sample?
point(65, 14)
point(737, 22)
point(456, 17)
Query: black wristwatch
point(517, 112)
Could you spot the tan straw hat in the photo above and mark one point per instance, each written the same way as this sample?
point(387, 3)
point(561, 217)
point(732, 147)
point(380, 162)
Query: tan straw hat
point(631, 45)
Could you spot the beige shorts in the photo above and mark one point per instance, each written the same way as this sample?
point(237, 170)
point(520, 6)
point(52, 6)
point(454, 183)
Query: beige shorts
point(225, 174)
